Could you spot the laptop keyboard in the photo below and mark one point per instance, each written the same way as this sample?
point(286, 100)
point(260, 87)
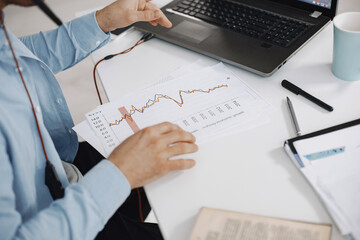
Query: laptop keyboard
point(253, 22)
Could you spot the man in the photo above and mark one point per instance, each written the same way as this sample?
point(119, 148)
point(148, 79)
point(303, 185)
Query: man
point(33, 131)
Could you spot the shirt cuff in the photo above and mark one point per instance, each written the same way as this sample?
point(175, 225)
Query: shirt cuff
point(108, 187)
point(87, 32)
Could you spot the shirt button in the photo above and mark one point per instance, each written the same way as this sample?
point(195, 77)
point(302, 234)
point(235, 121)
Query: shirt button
point(70, 131)
point(59, 101)
point(16, 69)
point(38, 109)
point(97, 43)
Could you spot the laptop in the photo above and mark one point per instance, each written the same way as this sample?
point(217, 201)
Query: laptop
point(256, 35)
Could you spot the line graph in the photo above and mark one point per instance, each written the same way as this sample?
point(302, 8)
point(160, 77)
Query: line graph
point(209, 103)
point(157, 98)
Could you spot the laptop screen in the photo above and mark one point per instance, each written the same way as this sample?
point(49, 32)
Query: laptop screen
point(320, 3)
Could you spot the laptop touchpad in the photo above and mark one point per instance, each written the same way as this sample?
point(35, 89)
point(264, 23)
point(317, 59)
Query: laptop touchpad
point(191, 31)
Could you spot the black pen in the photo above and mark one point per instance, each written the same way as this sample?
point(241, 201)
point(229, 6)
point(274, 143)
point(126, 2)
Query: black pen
point(289, 86)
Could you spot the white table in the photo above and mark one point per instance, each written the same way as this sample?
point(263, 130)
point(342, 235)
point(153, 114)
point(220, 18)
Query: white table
point(247, 172)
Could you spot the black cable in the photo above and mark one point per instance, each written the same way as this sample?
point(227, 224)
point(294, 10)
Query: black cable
point(47, 11)
point(146, 37)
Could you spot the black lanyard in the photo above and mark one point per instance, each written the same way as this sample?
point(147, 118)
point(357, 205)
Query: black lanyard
point(51, 178)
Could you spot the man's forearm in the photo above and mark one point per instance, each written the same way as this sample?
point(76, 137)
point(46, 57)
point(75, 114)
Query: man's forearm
point(65, 46)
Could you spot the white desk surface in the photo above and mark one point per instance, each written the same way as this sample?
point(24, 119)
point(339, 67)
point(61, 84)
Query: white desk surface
point(247, 172)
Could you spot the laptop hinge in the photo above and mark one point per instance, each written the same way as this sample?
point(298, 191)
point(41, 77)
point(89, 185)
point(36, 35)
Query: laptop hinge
point(315, 14)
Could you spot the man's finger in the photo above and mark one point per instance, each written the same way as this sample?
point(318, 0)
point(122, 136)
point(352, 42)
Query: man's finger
point(141, 5)
point(162, 20)
point(178, 135)
point(151, 6)
point(154, 23)
point(179, 149)
point(146, 16)
point(180, 164)
point(163, 128)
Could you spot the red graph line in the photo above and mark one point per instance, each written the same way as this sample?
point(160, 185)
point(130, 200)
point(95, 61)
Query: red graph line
point(322, 2)
point(157, 98)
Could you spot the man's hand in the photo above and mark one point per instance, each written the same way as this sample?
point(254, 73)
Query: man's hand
point(123, 13)
point(145, 156)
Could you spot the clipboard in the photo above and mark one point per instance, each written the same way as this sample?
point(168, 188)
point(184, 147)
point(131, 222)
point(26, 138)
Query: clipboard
point(289, 144)
point(332, 153)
